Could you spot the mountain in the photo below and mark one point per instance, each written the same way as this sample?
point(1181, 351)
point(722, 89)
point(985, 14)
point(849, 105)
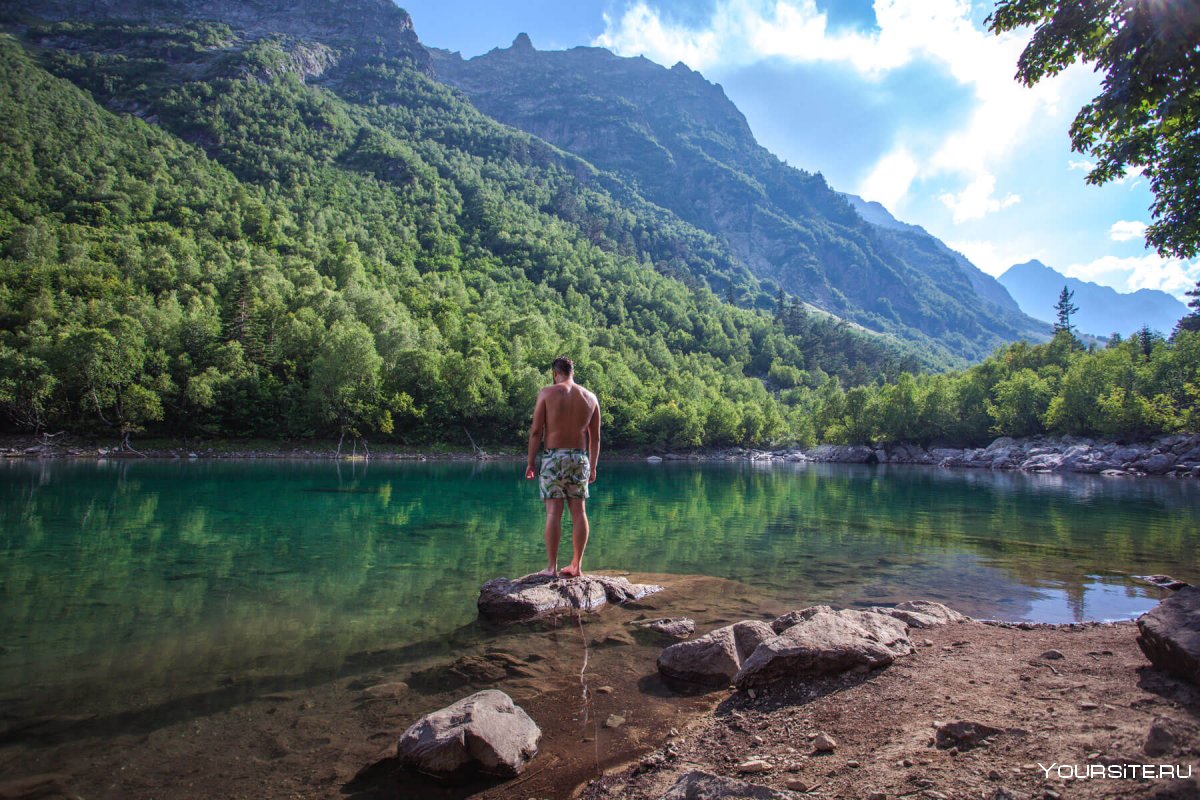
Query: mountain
point(919, 240)
point(266, 218)
point(1102, 310)
point(683, 145)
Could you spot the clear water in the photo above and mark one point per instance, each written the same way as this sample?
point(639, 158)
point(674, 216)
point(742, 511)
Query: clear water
point(123, 579)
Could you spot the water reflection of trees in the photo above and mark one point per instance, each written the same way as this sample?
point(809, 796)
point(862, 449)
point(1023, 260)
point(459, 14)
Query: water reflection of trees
point(185, 572)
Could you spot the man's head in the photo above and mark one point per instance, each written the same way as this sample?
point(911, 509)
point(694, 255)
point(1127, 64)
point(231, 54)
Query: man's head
point(563, 368)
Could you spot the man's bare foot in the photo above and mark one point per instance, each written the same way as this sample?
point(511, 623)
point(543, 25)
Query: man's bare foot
point(569, 572)
point(549, 573)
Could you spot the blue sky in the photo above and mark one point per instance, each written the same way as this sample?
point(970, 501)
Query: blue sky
point(908, 102)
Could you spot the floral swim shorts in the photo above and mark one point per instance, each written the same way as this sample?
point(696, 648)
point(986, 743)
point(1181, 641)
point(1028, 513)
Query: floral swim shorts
point(564, 473)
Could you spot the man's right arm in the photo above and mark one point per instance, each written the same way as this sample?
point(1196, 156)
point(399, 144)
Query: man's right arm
point(536, 431)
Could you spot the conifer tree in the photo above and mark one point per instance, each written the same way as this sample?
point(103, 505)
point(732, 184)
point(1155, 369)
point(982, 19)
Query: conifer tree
point(1064, 308)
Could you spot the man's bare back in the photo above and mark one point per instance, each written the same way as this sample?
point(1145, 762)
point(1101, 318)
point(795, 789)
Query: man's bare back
point(566, 421)
point(568, 408)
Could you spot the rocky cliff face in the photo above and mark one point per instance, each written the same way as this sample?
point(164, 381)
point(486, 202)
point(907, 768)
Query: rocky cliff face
point(679, 140)
point(364, 28)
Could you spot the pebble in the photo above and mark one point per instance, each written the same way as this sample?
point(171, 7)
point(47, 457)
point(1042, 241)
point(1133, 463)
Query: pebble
point(877, 796)
point(757, 740)
point(852, 764)
point(1052, 655)
point(824, 743)
point(927, 643)
point(614, 721)
point(604, 690)
point(1088, 705)
point(906, 762)
point(923, 783)
point(753, 694)
point(797, 785)
point(754, 765)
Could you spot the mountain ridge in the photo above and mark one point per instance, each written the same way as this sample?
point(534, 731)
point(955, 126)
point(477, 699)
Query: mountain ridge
point(1102, 309)
point(682, 143)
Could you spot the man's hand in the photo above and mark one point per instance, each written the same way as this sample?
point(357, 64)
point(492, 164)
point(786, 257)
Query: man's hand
point(529, 474)
point(592, 476)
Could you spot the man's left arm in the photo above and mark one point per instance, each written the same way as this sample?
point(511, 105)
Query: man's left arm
point(593, 430)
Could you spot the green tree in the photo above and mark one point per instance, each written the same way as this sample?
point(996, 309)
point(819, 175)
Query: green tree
point(1063, 310)
point(1147, 114)
point(1191, 321)
point(1019, 404)
point(346, 382)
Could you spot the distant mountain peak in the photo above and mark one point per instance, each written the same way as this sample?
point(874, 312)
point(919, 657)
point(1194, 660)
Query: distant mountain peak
point(522, 44)
point(1102, 309)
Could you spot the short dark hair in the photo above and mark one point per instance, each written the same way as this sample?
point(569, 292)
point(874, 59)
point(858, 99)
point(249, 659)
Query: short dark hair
point(563, 366)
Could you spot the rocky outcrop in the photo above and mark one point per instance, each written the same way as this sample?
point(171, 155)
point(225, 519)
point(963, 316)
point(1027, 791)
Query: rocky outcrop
point(825, 641)
point(1170, 634)
point(484, 733)
point(1177, 455)
point(697, 785)
point(809, 642)
point(532, 596)
point(713, 659)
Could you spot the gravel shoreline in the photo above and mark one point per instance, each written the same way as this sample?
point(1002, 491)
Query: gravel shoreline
point(1078, 696)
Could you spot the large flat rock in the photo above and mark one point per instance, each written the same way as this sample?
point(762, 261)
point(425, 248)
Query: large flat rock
point(1170, 634)
point(536, 595)
point(821, 641)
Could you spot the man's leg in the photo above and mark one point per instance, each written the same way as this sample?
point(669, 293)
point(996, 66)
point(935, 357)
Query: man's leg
point(579, 535)
point(554, 509)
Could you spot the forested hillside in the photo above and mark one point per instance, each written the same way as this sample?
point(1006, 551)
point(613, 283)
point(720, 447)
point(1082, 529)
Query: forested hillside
point(206, 229)
point(680, 140)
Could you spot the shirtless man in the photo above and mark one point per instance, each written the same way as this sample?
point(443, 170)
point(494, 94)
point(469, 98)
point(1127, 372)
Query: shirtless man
point(567, 420)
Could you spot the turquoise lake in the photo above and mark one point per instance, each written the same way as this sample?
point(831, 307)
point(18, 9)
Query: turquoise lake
point(126, 579)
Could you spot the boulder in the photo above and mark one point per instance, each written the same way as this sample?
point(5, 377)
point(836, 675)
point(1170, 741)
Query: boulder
point(697, 785)
point(536, 595)
point(1170, 634)
point(921, 613)
point(484, 733)
point(823, 642)
point(714, 658)
point(1156, 464)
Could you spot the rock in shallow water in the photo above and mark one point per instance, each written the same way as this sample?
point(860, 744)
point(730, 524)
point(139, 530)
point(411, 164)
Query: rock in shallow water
point(535, 595)
point(1170, 634)
point(484, 733)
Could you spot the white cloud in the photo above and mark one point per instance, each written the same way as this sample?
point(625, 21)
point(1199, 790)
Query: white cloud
point(992, 258)
point(741, 32)
point(1151, 271)
point(1126, 230)
point(977, 199)
point(889, 179)
point(1081, 165)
